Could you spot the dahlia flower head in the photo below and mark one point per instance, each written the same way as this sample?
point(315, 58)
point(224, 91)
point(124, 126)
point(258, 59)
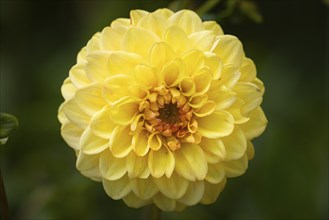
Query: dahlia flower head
point(161, 108)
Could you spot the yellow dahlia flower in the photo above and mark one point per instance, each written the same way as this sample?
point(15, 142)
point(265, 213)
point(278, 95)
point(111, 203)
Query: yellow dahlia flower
point(161, 108)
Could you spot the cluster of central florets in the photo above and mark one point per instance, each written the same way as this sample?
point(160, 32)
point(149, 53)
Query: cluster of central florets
point(168, 117)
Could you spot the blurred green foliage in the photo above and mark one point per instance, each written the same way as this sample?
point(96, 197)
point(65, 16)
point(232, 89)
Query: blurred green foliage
point(8, 123)
point(288, 41)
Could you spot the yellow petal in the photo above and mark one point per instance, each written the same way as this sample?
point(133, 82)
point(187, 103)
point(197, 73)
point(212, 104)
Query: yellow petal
point(164, 203)
point(193, 194)
point(68, 89)
point(137, 15)
point(93, 44)
point(175, 93)
point(235, 144)
point(247, 91)
point(78, 75)
point(206, 109)
point(248, 107)
point(123, 112)
point(192, 125)
point(137, 166)
point(90, 98)
point(202, 40)
point(230, 76)
point(215, 147)
point(250, 94)
point(122, 21)
point(161, 162)
point(154, 141)
point(202, 80)
point(190, 162)
point(120, 142)
point(160, 54)
point(88, 165)
point(71, 134)
point(260, 84)
point(223, 97)
point(115, 87)
point(230, 50)
point(215, 65)
point(177, 39)
point(197, 100)
point(218, 124)
point(173, 143)
point(133, 201)
point(111, 39)
point(154, 22)
point(188, 20)
point(250, 150)
point(248, 70)
point(174, 187)
point(138, 92)
point(173, 72)
point(256, 125)
point(187, 87)
point(148, 115)
point(164, 12)
point(140, 41)
point(110, 167)
point(235, 111)
point(216, 173)
point(140, 142)
point(211, 158)
point(92, 144)
point(138, 122)
point(213, 26)
point(234, 168)
point(118, 188)
point(212, 192)
point(194, 60)
point(97, 66)
point(144, 188)
point(121, 62)
point(74, 113)
point(101, 125)
point(61, 115)
point(145, 76)
point(121, 25)
point(81, 57)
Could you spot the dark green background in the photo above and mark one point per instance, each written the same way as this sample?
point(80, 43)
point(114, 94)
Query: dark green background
point(287, 179)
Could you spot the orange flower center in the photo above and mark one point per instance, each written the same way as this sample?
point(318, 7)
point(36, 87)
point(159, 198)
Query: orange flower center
point(167, 112)
point(172, 120)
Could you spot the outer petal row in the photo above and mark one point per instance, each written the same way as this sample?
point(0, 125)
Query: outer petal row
point(191, 162)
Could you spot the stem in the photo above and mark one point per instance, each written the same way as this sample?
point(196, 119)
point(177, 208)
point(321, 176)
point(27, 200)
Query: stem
point(3, 201)
point(230, 6)
point(151, 212)
point(208, 5)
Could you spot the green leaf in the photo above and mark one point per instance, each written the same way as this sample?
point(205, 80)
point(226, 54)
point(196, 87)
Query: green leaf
point(8, 123)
